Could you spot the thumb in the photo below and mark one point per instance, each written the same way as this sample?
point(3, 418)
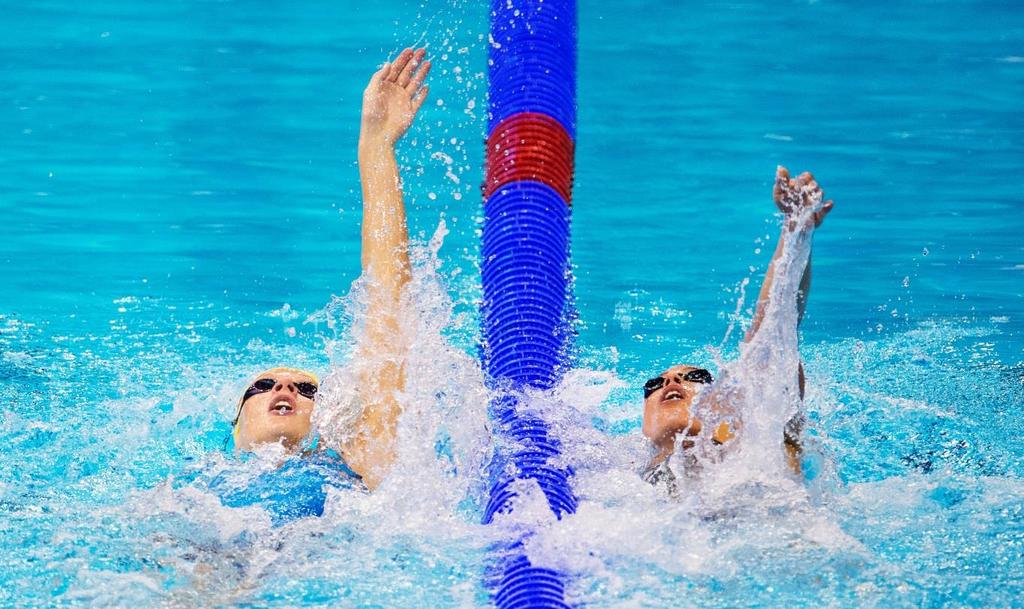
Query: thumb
point(820, 216)
point(379, 75)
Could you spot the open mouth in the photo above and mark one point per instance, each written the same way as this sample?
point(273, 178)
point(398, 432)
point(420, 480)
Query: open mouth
point(282, 407)
point(675, 394)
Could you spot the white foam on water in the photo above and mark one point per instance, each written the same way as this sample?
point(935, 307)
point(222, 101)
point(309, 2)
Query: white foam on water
point(629, 542)
point(443, 404)
point(415, 538)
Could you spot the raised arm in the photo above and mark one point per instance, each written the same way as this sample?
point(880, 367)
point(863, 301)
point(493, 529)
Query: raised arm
point(794, 199)
point(390, 102)
point(791, 197)
point(667, 406)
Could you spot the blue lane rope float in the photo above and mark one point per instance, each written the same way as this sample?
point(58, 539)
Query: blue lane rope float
point(525, 269)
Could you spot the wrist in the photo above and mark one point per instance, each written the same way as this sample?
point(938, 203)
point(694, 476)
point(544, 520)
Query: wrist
point(375, 142)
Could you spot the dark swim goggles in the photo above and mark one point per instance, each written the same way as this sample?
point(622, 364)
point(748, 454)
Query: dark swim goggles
point(698, 375)
point(305, 389)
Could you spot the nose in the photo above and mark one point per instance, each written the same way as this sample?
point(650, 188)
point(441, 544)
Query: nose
point(289, 387)
point(675, 381)
point(672, 378)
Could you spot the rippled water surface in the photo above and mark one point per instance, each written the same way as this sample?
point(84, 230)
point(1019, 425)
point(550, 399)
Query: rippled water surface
point(182, 207)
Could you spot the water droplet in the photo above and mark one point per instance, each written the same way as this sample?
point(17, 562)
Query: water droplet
point(924, 252)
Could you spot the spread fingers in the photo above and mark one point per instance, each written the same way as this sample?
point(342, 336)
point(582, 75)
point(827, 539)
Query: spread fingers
point(418, 78)
point(410, 67)
point(399, 64)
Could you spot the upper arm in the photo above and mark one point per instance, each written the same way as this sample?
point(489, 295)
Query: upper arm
point(380, 375)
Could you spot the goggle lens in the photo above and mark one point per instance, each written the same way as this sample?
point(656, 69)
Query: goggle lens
point(697, 375)
point(305, 389)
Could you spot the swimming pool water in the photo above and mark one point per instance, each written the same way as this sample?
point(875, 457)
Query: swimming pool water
point(181, 196)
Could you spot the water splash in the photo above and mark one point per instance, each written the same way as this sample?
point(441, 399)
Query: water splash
point(415, 541)
point(906, 467)
point(762, 385)
point(442, 432)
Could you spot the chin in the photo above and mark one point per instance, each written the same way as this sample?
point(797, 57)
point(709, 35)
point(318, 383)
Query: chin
point(292, 432)
point(668, 424)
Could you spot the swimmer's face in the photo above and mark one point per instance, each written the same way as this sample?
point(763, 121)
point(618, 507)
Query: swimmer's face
point(280, 413)
point(667, 407)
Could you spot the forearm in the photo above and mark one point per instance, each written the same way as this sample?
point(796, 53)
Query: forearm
point(764, 296)
point(804, 291)
point(385, 236)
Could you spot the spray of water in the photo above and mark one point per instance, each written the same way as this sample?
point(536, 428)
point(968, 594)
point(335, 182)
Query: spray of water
point(442, 432)
point(414, 540)
point(761, 387)
point(629, 541)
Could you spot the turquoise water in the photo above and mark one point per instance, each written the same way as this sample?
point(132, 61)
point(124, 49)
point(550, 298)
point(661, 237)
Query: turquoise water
point(181, 193)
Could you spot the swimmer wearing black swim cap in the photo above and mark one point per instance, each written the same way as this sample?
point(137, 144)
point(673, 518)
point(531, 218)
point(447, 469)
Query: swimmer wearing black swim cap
point(668, 419)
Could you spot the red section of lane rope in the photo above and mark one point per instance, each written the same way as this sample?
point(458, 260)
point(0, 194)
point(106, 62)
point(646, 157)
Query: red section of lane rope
point(530, 146)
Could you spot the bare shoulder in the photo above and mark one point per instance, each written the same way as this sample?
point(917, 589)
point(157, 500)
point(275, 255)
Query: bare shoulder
point(717, 405)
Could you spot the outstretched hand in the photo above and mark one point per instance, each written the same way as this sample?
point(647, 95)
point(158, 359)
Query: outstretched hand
point(800, 198)
point(394, 96)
